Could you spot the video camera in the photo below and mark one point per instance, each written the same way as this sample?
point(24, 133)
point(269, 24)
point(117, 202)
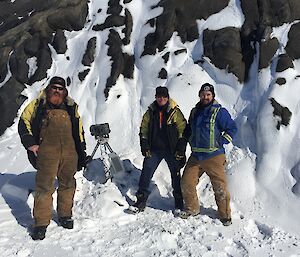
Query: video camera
point(111, 161)
point(100, 130)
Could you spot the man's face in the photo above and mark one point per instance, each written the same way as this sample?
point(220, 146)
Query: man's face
point(206, 97)
point(56, 94)
point(161, 100)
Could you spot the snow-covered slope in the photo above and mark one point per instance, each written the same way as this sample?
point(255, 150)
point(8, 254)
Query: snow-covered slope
point(263, 165)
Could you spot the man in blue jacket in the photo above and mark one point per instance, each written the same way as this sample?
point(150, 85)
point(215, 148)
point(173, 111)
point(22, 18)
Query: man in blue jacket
point(210, 126)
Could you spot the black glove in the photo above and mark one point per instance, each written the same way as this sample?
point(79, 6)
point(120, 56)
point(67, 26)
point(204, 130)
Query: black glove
point(145, 147)
point(181, 145)
point(147, 154)
point(179, 156)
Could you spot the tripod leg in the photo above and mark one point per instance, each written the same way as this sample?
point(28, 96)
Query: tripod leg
point(95, 149)
point(108, 147)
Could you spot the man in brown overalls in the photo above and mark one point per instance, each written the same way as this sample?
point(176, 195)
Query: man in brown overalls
point(51, 130)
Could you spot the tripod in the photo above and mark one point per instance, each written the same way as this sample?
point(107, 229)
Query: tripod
point(115, 164)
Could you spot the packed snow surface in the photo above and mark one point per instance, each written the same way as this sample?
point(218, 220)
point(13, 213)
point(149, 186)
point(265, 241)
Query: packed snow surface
point(263, 164)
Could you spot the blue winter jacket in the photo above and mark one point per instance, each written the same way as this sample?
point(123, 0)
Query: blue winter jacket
point(209, 128)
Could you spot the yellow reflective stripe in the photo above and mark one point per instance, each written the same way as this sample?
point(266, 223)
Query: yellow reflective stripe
point(170, 117)
point(81, 130)
point(80, 124)
point(228, 138)
point(212, 128)
point(28, 114)
point(177, 117)
point(204, 150)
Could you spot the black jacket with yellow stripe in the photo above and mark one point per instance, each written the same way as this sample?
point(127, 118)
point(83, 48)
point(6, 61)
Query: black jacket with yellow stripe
point(175, 126)
point(30, 123)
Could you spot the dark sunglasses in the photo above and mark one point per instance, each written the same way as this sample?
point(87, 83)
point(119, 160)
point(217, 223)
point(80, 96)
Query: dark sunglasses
point(57, 88)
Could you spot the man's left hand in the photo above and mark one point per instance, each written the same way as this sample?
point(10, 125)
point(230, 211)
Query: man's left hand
point(179, 155)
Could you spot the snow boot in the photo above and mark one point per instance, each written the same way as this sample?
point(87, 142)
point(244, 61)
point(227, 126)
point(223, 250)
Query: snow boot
point(39, 232)
point(226, 221)
point(66, 222)
point(186, 214)
point(139, 205)
point(140, 202)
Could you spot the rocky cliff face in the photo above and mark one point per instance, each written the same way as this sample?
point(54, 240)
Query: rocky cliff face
point(26, 30)
point(28, 27)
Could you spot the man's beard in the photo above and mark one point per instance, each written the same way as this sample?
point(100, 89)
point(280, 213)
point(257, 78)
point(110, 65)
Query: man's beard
point(56, 98)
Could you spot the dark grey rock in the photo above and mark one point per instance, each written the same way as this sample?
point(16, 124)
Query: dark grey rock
point(283, 112)
point(114, 7)
point(89, 55)
point(177, 52)
point(166, 57)
point(267, 51)
point(60, 42)
point(10, 102)
point(32, 45)
point(280, 81)
point(163, 74)
point(292, 47)
point(223, 47)
point(28, 37)
point(181, 18)
point(68, 81)
point(128, 68)
point(69, 18)
point(128, 27)
point(44, 62)
point(18, 65)
point(284, 62)
point(110, 21)
point(83, 74)
point(274, 12)
point(115, 51)
point(250, 10)
point(4, 54)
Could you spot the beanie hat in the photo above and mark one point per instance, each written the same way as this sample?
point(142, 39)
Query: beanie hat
point(162, 91)
point(207, 87)
point(58, 81)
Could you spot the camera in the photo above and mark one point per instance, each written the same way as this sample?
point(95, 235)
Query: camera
point(100, 130)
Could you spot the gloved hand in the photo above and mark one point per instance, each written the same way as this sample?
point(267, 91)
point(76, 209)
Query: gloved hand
point(179, 155)
point(145, 148)
point(181, 145)
point(180, 158)
point(223, 141)
point(147, 154)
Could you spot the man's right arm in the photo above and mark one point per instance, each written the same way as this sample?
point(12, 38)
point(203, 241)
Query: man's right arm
point(24, 126)
point(144, 132)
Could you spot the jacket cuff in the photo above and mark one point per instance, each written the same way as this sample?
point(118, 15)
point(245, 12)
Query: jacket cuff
point(28, 140)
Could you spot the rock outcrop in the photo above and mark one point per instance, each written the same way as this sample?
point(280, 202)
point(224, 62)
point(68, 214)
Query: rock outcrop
point(28, 27)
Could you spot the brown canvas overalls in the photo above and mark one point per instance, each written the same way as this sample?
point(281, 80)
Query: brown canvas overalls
point(214, 168)
point(57, 157)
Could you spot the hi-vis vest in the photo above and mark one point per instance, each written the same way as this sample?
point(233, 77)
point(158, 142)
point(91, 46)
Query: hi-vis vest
point(205, 137)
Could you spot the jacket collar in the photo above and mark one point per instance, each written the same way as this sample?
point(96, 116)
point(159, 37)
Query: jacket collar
point(172, 105)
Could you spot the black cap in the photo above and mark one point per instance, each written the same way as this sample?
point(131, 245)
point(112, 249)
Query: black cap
point(207, 87)
point(58, 81)
point(162, 91)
